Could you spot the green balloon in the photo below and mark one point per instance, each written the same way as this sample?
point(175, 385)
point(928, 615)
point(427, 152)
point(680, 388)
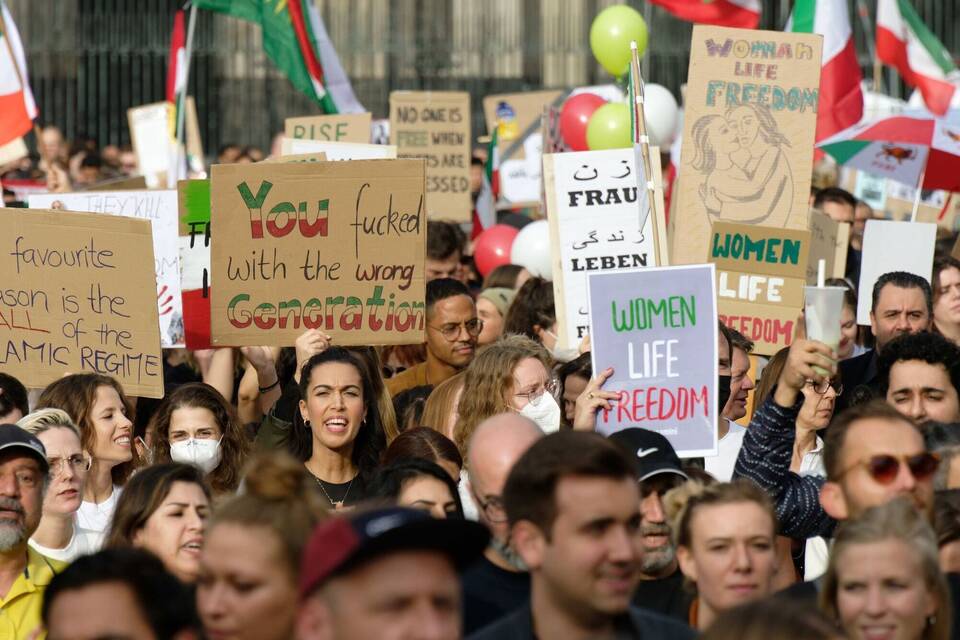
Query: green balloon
point(609, 127)
point(610, 37)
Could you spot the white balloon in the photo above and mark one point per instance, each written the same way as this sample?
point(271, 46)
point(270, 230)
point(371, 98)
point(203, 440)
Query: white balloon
point(660, 109)
point(531, 249)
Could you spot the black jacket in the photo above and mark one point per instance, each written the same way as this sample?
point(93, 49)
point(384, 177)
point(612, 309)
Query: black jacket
point(858, 376)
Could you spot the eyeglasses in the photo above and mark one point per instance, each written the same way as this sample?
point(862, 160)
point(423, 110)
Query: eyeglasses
point(492, 508)
point(77, 462)
point(822, 386)
point(451, 330)
point(884, 468)
point(533, 397)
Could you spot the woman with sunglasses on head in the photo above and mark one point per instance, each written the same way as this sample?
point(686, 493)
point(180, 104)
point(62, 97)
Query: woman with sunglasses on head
point(104, 415)
point(195, 425)
point(884, 580)
point(339, 435)
point(814, 415)
point(59, 536)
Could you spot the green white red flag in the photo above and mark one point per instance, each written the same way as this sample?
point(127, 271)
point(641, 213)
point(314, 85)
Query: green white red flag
point(906, 44)
point(841, 99)
point(296, 39)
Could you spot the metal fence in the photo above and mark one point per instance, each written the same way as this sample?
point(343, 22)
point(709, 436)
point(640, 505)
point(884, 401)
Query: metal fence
point(91, 60)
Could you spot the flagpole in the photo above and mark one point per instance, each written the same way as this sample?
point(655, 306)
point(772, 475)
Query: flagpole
point(640, 137)
point(916, 199)
point(182, 108)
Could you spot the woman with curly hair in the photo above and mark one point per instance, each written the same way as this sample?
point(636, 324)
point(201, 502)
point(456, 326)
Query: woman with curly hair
point(196, 425)
point(512, 374)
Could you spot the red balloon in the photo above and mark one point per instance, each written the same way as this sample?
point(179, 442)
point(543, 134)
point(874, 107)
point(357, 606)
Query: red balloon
point(492, 247)
point(574, 117)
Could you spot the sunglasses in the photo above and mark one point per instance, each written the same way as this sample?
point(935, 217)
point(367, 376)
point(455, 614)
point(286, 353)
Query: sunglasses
point(884, 468)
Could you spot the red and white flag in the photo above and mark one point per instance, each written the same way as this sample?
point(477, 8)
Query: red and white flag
point(744, 14)
point(906, 44)
point(841, 99)
point(17, 108)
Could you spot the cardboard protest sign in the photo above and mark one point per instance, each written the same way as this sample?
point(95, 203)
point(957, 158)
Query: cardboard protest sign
point(829, 241)
point(193, 197)
point(594, 226)
point(340, 127)
point(436, 125)
point(160, 208)
point(657, 328)
point(298, 157)
point(335, 246)
point(749, 118)
point(514, 114)
point(151, 135)
point(761, 272)
point(338, 150)
point(80, 298)
point(893, 246)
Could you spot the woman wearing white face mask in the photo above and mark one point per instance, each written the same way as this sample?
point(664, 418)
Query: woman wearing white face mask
point(512, 374)
point(59, 536)
point(195, 425)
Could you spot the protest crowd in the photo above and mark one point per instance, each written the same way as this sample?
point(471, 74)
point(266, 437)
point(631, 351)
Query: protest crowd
point(477, 419)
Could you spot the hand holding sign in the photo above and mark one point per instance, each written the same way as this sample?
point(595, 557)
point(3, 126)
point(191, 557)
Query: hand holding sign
point(309, 344)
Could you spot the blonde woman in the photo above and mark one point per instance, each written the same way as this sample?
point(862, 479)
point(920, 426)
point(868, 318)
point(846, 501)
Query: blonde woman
point(725, 539)
point(59, 536)
point(440, 411)
point(884, 577)
point(512, 374)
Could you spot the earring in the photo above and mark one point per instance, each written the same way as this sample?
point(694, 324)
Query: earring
point(931, 620)
point(306, 423)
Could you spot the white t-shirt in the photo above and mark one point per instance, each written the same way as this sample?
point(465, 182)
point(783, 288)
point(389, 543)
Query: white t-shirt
point(721, 466)
point(83, 542)
point(97, 517)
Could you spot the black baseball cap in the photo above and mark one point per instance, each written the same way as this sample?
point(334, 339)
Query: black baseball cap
point(13, 438)
point(650, 452)
point(342, 543)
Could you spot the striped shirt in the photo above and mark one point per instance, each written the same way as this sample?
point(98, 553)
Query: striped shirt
point(765, 459)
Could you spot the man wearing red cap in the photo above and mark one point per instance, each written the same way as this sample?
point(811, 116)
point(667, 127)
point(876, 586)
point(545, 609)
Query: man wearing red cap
point(386, 574)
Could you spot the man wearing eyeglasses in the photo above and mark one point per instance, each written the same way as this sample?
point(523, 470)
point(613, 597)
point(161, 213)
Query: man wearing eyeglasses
point(872, 453)
point(498, 583)
point(919, 376)
point(452, 329)
point(24, 573)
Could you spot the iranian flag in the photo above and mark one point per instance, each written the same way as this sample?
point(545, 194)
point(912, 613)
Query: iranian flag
point(485, 211)
point(296, 39)
point(841, 100)
point(744, 14)
point(905, 43)
point(17, 108)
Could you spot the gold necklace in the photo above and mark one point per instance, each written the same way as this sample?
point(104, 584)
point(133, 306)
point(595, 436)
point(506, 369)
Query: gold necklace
point(338, 504)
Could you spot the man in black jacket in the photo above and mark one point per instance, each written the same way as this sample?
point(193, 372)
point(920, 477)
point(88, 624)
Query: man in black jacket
point(902, 304)
point(574, 510)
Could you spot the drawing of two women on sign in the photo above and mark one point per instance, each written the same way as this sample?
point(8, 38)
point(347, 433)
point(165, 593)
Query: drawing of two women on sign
point(748, 176)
